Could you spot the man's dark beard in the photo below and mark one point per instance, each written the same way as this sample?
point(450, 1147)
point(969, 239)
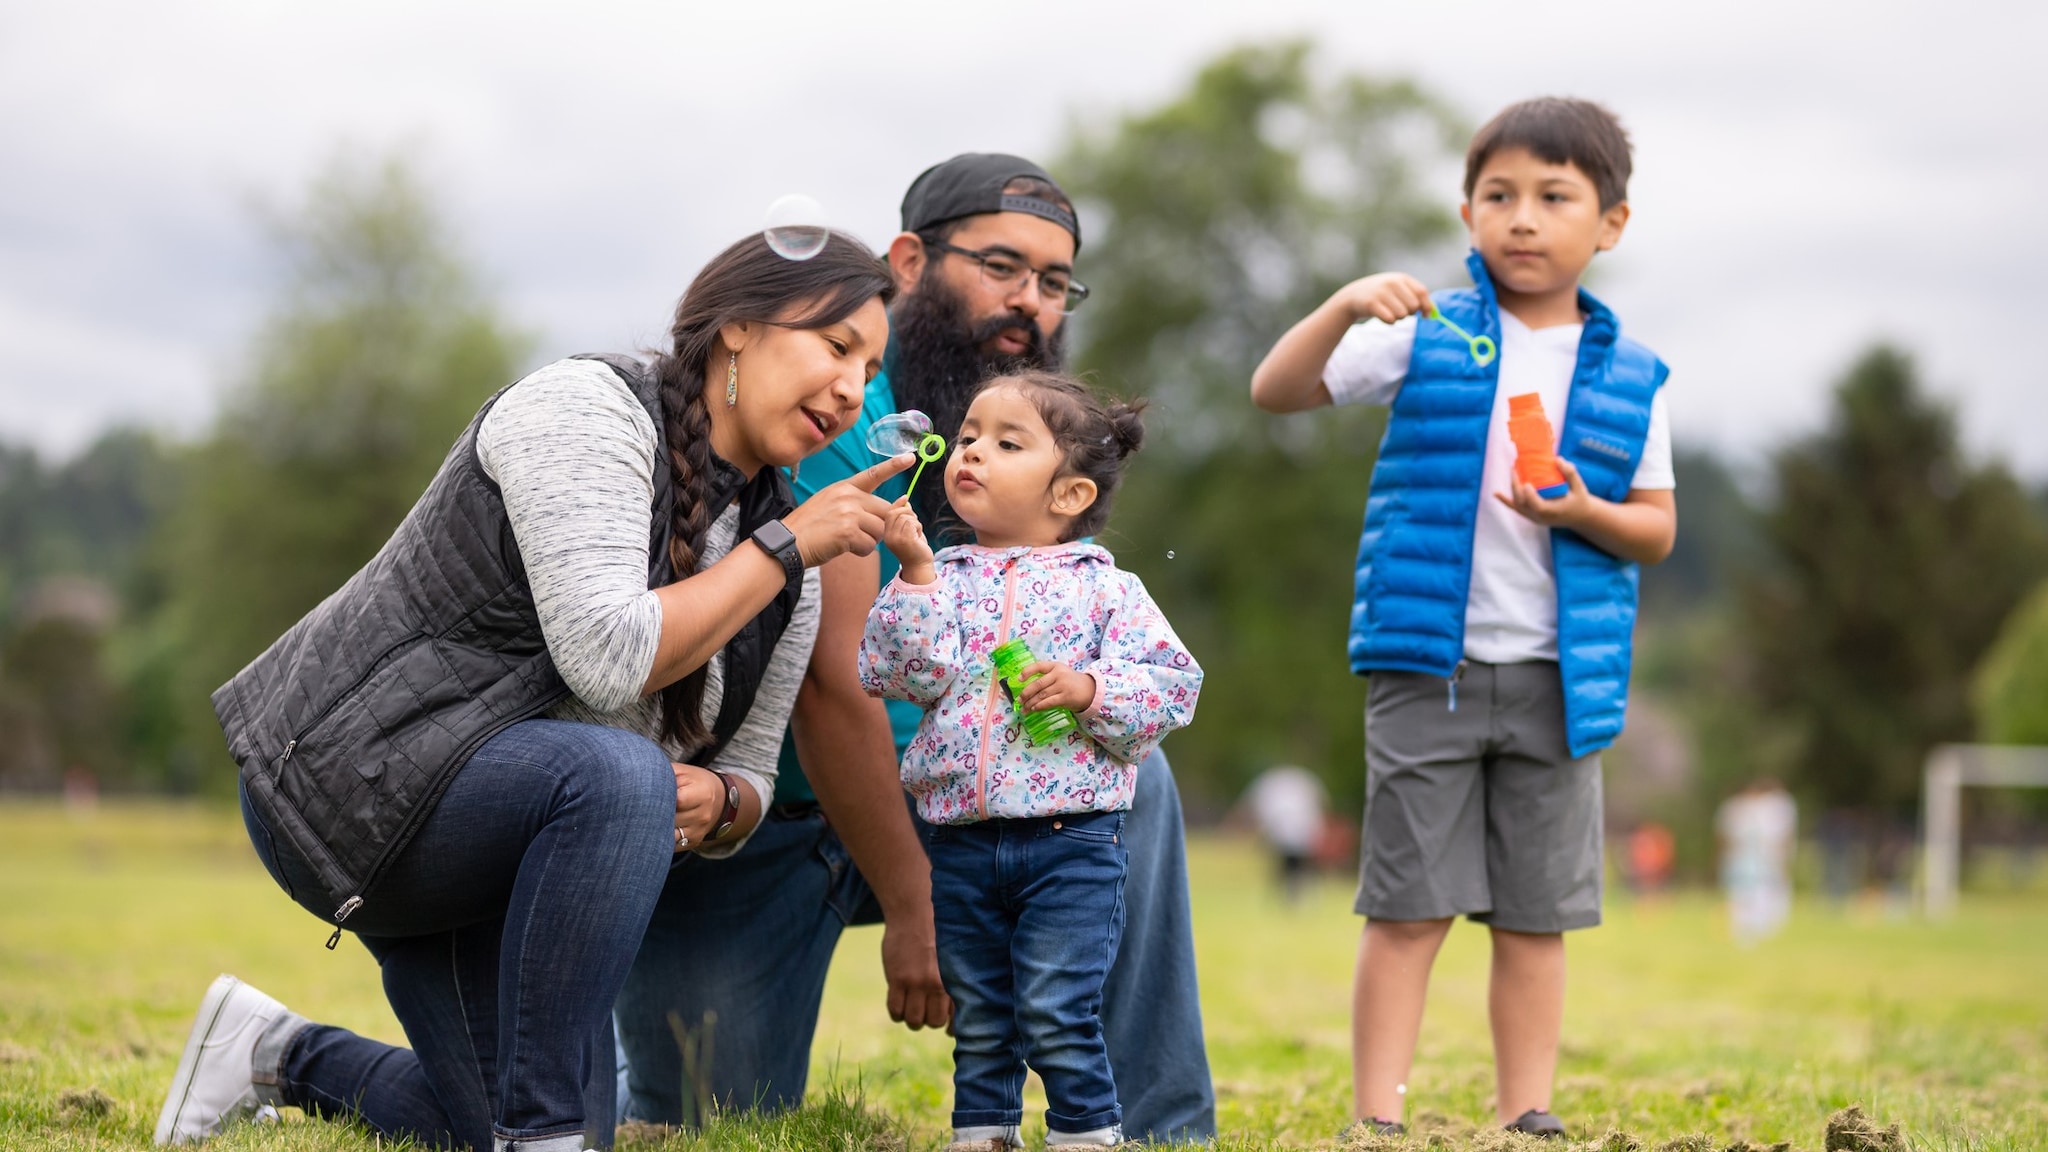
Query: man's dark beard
point(936, 365)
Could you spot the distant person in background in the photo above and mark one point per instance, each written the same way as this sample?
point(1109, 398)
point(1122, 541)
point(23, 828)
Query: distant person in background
point(1755, 828)
point(1288, 804)
point(1651, 853)
point(81, 789)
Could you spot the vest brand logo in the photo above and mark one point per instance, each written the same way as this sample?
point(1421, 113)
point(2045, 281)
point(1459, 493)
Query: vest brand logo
point(1603, 447)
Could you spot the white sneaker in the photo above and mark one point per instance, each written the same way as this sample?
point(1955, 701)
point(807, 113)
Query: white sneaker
point(987, 1138)
point(216, 1076)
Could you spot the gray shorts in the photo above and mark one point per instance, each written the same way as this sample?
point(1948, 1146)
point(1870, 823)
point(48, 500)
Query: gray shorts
point(1481, 811)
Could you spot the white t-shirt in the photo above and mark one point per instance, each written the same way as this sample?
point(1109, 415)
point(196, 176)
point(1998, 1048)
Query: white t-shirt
point(1511, 610)
point(1287, 801)
point(1757, 830)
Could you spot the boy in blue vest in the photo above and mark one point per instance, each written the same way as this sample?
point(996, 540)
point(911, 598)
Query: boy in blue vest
point(1495, 624)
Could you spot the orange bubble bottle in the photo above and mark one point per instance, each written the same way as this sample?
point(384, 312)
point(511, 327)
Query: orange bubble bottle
point(1535, 456)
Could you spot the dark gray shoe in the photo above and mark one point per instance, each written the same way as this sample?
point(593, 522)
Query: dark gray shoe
point(1537, 1122)
point(1373, 1127)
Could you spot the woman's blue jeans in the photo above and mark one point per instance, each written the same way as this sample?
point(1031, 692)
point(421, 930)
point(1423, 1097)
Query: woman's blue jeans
point(1029, 914)
point(504, 930)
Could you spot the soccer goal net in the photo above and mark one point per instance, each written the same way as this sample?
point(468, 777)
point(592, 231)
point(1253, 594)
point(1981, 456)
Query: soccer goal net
point(1950, 769)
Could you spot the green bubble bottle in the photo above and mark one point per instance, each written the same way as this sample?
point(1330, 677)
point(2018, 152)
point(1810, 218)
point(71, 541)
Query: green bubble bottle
point(1045, 725)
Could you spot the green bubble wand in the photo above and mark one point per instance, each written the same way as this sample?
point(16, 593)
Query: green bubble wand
point(1483, 349)
point(929, 448)
point(907, 431)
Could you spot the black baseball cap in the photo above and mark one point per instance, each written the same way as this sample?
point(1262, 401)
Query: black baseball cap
point(971, 184)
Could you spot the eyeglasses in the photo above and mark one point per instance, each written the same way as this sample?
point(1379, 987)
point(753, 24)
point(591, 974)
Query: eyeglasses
point(1060, 291)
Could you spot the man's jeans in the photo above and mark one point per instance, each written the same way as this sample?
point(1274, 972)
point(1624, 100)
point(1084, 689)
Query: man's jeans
point(736, 955)
point(1028, 914)
point(504, 931)
point(752, 938)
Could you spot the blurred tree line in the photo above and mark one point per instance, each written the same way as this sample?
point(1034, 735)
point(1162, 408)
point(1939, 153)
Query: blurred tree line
point(378, 352)
point(1826, 633)
point(1825, 622)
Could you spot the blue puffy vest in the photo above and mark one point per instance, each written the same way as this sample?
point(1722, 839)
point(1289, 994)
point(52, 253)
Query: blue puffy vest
point(1415, 555)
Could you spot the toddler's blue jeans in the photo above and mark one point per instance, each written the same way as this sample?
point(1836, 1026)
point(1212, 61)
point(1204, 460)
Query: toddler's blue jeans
point(1029, 914)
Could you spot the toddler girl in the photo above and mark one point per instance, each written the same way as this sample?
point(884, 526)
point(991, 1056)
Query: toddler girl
point(1026, 841)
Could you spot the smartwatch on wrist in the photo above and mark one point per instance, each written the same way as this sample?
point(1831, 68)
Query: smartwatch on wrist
point(778, 541)
point(731, 813)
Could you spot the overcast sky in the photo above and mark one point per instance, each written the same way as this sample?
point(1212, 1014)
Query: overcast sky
point(1810, 176)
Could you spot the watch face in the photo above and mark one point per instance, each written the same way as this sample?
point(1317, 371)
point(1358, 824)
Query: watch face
point(775, 536)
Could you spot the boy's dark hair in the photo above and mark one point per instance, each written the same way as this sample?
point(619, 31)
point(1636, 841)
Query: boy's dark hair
point(1093, 436)
point(1558, 131)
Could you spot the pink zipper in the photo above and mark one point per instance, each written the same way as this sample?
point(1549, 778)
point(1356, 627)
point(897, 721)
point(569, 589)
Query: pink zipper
point(995, 687)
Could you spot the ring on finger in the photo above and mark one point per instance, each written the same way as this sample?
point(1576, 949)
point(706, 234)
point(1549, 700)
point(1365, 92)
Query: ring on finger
point(682, 839)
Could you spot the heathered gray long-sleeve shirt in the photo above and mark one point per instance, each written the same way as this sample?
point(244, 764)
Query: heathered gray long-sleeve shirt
point(573, 451)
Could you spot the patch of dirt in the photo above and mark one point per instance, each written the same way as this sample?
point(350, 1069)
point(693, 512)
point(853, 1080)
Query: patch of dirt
point(1704, 1090)
point(1502, 1140)
point(1359, 1138)
point(130, 1049)
point(1851, 1131)
point(1439, 1130)
point(83, 1105)
point(1700, 1142)
point(641, 1132)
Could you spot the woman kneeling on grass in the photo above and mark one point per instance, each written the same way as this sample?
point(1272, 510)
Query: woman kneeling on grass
point(572, 664)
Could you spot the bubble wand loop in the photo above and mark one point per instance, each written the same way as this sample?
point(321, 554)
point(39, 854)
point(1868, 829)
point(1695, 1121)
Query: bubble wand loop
point(930, 448)
point(1483, 349)
point(909, 431)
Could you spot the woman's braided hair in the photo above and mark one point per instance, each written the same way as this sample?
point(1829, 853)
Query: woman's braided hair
point(748, 282)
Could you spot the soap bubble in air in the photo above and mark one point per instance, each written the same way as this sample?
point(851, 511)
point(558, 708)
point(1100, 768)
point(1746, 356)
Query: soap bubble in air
point(796, 228)
point(1169, 553)
point(898, 433)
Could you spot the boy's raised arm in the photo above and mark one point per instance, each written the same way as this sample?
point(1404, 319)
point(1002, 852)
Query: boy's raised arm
point(1290, 378)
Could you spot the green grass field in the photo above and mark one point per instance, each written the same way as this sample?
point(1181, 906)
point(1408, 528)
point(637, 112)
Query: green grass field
point(112, 923)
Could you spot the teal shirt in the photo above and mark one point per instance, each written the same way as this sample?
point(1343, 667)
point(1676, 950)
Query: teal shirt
point(847, 454)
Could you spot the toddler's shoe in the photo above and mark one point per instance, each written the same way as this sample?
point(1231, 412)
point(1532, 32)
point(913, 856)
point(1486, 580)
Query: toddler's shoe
point(993, 1138)
point(216, 1079)
point(1537, 1122)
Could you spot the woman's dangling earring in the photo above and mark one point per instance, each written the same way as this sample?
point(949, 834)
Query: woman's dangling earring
point(732, 380)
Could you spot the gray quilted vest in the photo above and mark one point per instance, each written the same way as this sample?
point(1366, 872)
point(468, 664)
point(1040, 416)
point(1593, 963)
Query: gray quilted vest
point(349, 728)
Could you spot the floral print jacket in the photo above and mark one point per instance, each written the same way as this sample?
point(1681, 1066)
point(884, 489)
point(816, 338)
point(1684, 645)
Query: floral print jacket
point(930, 644)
